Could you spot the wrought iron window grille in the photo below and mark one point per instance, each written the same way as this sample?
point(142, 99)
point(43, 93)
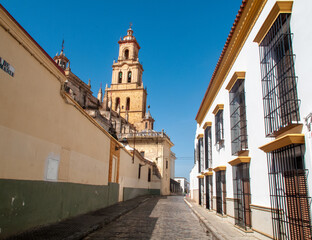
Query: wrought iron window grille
point(209, 193)
point(200, 155)
point(219, 132)
point(239, 141)
point(290, 201)
point(279, 82)
point(208, 148)
point(242, 196)
point(221, 192)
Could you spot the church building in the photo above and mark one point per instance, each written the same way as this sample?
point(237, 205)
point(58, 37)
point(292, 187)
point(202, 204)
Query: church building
point(122, 109)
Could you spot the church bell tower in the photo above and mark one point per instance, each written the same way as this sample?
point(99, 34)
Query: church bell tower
point(126, 91)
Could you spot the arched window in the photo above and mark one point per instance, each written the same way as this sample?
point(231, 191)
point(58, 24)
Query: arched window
point(117, 103)
point(128, 104)
point(129, 76)
point(120, 77)
point(146, 125)
point(126, 54)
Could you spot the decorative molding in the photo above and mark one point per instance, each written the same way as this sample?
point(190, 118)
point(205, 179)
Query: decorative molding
point(239, 159)
point(200, 136)
point(261, 208)
point(200, 176)
point(235, 77)
point(207, 124)
point(283, 141)
point(219, 168)
point(278, 8)
point(210, 173)
point(218, 108)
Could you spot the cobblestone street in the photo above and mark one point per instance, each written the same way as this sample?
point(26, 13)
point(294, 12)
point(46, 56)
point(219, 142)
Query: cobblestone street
point(158, 218)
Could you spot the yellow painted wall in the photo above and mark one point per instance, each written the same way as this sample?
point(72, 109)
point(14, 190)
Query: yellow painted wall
point(35, 121)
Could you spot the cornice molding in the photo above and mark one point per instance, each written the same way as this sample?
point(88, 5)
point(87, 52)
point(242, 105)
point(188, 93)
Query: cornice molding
point(218, 108)
point(240, 159)
point(283, 141)
point(278, 8)
point(219, 168)
point(207, 124)
point(235, 77)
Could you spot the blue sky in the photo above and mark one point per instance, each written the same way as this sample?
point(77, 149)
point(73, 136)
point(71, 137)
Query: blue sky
point(181, 42)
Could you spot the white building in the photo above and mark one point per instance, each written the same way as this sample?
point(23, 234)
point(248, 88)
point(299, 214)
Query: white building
point(185, 185)
point(253, 137)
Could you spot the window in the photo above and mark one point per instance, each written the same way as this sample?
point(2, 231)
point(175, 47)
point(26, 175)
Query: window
point(142, 153)
point(117, 103)
point(238, 118)
point(166, 164)
point(219, 128)
point(242, 197)
point(139, 176)
point(209, 192)
point(200, 155)
point(208, 148)
point(126, 54)
point(146, 125)
point(201, 191)
point(279, 82)
point(120, 77)
point(289, 193)
point(221, 192)
point(149, 175)
point(128, 104)
point(129, 76)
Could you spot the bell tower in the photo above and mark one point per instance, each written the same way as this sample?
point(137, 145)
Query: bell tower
point(126, 90)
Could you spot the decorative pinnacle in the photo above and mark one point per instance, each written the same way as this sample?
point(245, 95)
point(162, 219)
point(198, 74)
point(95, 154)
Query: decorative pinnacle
point(63, 45)
point(130, 25)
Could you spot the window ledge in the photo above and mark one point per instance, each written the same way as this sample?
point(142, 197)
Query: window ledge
point(283, 141)
point(288, 129)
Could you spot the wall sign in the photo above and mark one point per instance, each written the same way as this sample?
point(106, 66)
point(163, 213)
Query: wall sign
point(5, 66)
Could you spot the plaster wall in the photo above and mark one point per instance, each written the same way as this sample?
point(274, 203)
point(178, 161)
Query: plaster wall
point(38, 125)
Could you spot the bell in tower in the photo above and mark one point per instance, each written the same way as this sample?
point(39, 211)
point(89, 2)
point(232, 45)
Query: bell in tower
point(61, 59)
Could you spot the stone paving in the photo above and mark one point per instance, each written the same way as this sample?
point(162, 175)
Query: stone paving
point(158, 218)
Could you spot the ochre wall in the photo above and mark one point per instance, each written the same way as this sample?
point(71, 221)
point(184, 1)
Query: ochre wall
point(36, 124)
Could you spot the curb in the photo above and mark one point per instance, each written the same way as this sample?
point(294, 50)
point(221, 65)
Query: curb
point(211, 230)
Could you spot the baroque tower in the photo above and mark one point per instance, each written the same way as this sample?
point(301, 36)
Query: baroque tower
point(126, 91)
